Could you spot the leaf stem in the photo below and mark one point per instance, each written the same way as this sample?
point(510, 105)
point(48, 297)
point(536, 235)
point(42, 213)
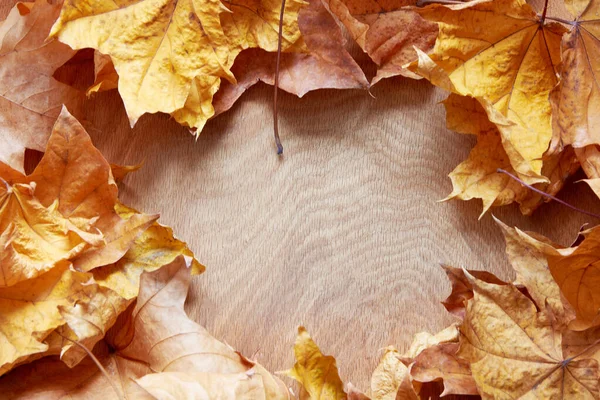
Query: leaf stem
point(421, 3)
point(547, 195)
point(276, 86)
point(98, 364)
point(563, 21)
point(543, 18)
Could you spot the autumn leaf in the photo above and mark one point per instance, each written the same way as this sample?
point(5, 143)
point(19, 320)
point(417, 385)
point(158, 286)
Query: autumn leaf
point(515, 350)
point(387, 32)
point(325, 65)
point(64, 216)
point(527, 257)
point(172, 59)
point(576, 101)
point(155, 351)
point(391, 379)
point(316, 373)
point(105, 75)
point(510, 68)
point(462, 290)
point(74, 176)
point(35, 239)
point(30, 311)
point(155, 247)
point(577, 275)
point(31, 98)
point(478, 176)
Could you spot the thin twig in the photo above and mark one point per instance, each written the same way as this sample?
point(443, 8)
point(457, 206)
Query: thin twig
point(564, 21)
point(421, 3)
point(547, 195)
point(279, 39)
point(543, 19)
point(98, 364)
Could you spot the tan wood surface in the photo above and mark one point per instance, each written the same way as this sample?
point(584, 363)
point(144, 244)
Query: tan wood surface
point(343, 234)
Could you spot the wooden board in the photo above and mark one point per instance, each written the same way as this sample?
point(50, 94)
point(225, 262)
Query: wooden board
point(343, 234)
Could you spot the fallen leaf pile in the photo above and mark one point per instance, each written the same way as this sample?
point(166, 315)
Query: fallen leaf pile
point(537, 337)
point(154, 352)
point(72, 255)
point(533, 77)
point(92, 291)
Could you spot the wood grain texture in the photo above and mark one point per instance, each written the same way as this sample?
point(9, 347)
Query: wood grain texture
point(343, 234)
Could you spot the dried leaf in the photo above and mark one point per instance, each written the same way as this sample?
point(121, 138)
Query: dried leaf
point(576, 101)
point(62, 216)
point(510, 68)
point(155, 351)
point(155, 247)
point(391, 378)
point(527, 257)
point(33, 238)
point(31, 98)
point(325, 65)
point(317, 373)
point(30, 311)
point(462, 291)
point(515, 350)
point(105, 75)
point(478, 176)
point(171, 55)
point(441, 363)
point(387, 32)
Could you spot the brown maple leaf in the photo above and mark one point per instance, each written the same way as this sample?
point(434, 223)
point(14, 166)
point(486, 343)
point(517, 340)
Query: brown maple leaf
point(386, 31)
point(325, 65)
point(30, 98)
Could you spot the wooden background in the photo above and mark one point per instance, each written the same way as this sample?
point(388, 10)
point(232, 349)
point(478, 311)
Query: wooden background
point(344, 234)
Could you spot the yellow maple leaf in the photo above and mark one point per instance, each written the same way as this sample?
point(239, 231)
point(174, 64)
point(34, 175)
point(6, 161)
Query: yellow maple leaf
point(33, 238)
point(391, 378)
point(515, 351)
point(155, 247)
point(29, 312)
point(171, 55)
point(478, 176)
point(317, 373)
point(510, 67)
point(576, 101)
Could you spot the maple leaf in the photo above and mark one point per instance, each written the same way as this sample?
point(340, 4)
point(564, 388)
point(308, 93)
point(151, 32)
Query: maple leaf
point(391, 379)
point(317, 373)
point(155, 247)
point(33, 238)
point(30, 311)
point(387, 32)
point(527, 256)
point(105, 75)
point(171, 55)
point(325, 65)
point(510, 69)
point(576, 100)
point(576, 273)
point(30, 98)
point(74, 176)
point(63, 216)
point(478, 176)
point(157, 352)
point(515, 351)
